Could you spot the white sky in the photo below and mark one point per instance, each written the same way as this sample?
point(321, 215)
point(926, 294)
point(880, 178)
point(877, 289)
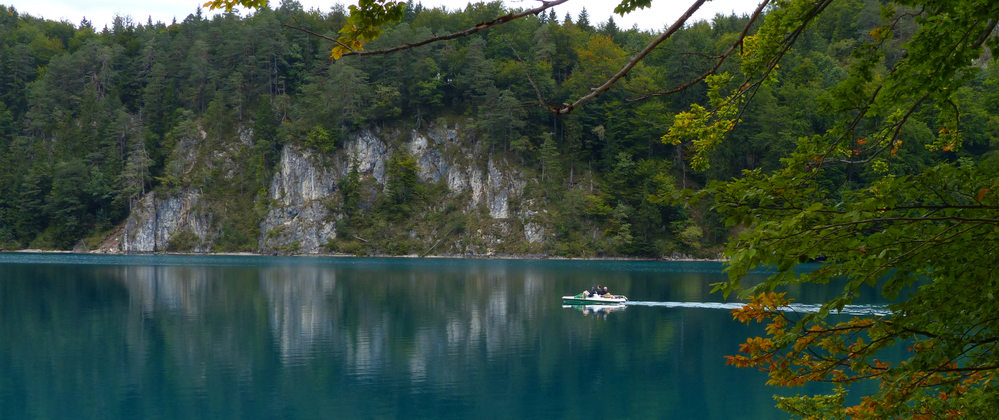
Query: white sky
point(101, 12)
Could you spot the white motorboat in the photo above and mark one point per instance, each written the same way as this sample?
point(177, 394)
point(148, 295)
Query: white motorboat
point(588, 299)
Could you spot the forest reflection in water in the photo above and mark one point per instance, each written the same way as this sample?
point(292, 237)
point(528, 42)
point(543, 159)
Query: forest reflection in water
point(255, 337)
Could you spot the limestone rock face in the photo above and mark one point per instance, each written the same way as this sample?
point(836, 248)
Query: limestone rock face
point(155, 220)
point(303, 197)
point(490, 186)
point(299, 180)
point(427, 151)
point(299, 220)
point(370, 153)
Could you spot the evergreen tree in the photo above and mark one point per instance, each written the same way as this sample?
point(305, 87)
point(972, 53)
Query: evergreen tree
point(403, 187)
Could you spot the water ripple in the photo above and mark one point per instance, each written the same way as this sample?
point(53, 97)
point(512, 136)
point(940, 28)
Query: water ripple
point(874, 310)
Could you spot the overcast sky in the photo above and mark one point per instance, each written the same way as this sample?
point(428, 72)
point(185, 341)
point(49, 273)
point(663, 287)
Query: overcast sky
point(101, 12)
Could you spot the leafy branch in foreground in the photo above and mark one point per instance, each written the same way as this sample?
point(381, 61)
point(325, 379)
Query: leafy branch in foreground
point(939, 378)
point(925, 235)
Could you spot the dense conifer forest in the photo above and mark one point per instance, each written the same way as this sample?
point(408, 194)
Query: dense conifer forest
point(91, 119)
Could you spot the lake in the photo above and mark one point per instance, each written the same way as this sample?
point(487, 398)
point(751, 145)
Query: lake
point(144, 336)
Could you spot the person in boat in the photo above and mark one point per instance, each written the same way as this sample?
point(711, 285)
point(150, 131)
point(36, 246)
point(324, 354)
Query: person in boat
point(601, 290)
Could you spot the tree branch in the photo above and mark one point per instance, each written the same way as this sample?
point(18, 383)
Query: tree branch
point(527, 72)
point(317, 35)
point(718, 64)
point(906, 219)
point(594, 92)
point(545, 5)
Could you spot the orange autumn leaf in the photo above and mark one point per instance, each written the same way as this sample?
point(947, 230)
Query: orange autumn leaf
point(981, 194)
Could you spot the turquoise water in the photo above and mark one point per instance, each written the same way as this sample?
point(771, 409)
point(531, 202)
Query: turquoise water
point(108, 337)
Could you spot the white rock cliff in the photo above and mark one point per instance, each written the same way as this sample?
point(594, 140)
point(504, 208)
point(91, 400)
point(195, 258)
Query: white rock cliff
point(301, 214)
point(155, 220)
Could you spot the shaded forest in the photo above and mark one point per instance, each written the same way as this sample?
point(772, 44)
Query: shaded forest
point(91, 120)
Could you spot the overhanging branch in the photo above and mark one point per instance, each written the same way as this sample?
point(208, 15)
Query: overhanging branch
point(718, 64)
point(594, 92)
point(545, 5)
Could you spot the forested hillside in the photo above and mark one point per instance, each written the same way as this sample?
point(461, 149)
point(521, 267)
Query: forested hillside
point(94, 121)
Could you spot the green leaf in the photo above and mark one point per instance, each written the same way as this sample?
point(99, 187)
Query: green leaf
point(627, 6)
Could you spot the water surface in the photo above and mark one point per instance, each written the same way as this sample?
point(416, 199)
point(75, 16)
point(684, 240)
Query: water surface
point(106, 337)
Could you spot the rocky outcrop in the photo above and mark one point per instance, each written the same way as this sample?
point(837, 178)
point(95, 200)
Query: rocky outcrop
point(534, 232)
point(303, 196)
point(156, 220)
point(491, 186)
point(299, 219)
point(427, 149)
point(369, 153)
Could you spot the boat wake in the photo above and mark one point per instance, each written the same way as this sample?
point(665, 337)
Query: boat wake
point(875, 310)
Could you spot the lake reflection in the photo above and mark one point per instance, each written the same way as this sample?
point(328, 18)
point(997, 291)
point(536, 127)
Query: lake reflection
point(256, 337)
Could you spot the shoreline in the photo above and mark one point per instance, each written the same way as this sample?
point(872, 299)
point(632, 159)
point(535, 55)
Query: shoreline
point(530, 257)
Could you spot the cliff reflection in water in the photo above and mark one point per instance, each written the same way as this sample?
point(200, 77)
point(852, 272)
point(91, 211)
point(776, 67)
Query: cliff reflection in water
point(371, 321)
point(300, 308)
point(181, 337)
